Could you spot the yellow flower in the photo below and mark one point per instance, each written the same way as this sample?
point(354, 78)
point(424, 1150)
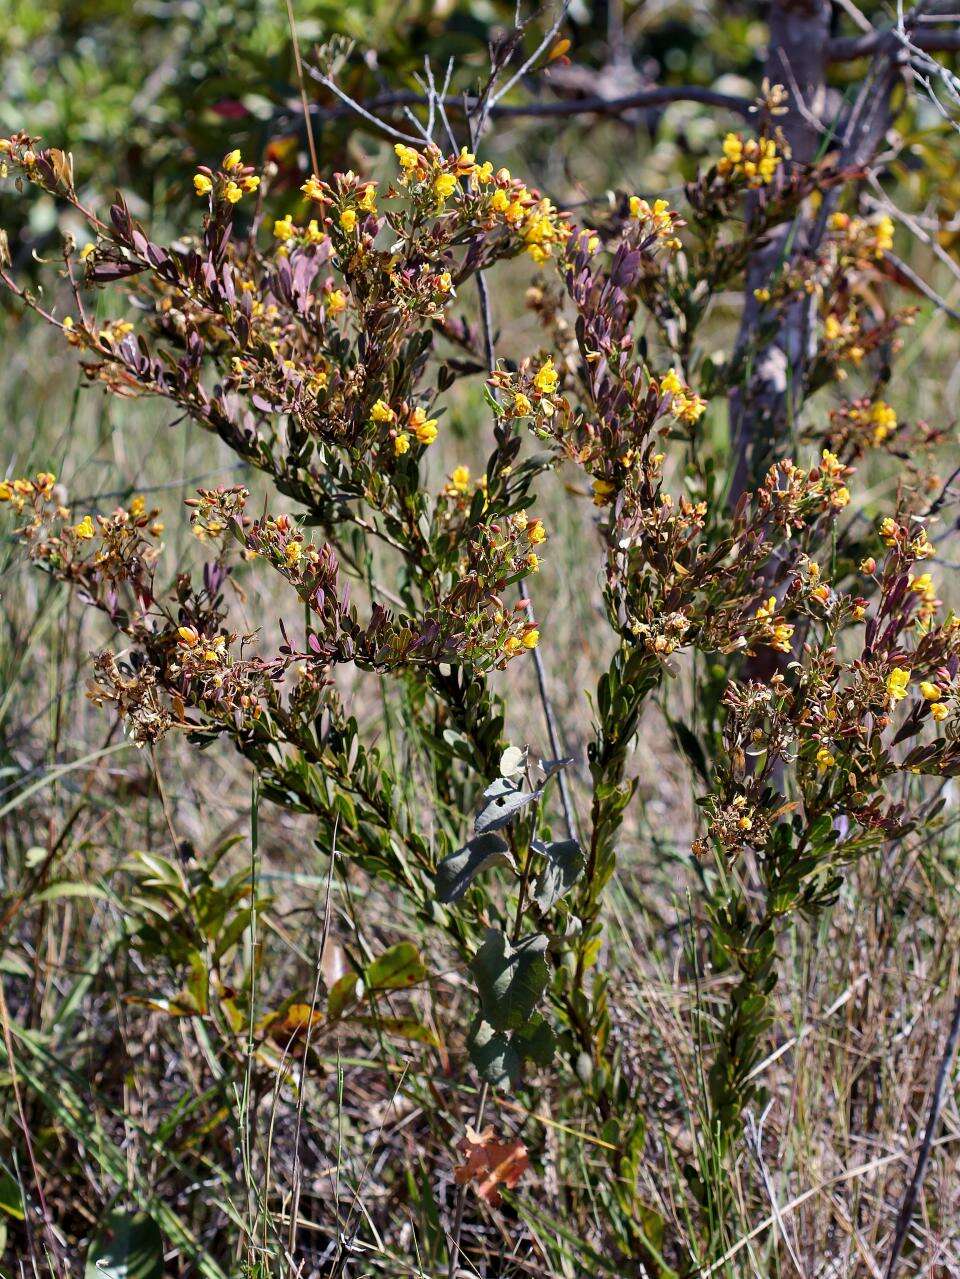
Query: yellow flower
point(444, 185)
point(424, 428)
point(250, 183)
point(231, 161)
point(531, 638)
point(602, 489)
point(382, 412)
point(335, 301)
point(348, 219)
point(314, 232)
point(825, 759)
point(897, 682)
point(533, 562)
point(283, 228)
point(536, 533)
point(466, 161)
point(939, 711)
point(499, 201)
point(409, 159)
point(368, 201)
point(138, 507)
point(188, 636)
point(512, 645)
point(883, 419)
point(460, 479)
point(312, 188)
point(521, 405)
point(733, 148)
point(929, 691)
point(85, 529)
point(202, 184)
point(782, 634)
point(921, 546)
point(884, 236)
point(401, 443)
point(670, 383)
point(888, 531)
point(233, 192)
point(840, 497)
point(547, 379)
point(444, 282)
point(292, 552)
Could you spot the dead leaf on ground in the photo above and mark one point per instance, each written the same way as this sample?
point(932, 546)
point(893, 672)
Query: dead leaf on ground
point(490, 1164)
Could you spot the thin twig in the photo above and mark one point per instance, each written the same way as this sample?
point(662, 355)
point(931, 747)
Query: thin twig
point(298, 64)
point(552, 731)
point(923, 1156)
point(318, 977)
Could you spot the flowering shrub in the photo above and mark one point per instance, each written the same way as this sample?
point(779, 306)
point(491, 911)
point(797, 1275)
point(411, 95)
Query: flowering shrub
point(320, 345)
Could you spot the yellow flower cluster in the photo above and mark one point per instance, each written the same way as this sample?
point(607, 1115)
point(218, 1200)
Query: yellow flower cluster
point(19, 491)
point(754, 160)
point(685, 405)
point(231, 183)
point(533, 218)
point(918, 545)
point(923, 587)
point(775, 632)
point(874, 419)
point(662, 221)
point(862, 238)
point(285, 229)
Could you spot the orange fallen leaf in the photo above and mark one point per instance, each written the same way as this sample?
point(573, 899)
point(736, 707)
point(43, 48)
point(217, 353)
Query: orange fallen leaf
point(490, 1163)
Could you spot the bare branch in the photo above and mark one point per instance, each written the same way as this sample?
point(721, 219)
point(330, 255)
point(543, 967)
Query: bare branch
point(466, 105)
point(849, 48)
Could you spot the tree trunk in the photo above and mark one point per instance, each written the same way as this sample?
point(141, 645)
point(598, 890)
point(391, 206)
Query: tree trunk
point(761, 410)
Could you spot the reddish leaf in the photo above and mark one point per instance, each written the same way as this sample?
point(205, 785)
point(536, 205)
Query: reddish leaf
point(490, 1164)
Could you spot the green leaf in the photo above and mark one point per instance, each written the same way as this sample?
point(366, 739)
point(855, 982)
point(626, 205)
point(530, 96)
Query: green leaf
point(11, 1201)
point(458, 870)
point(346, 990)
point(561, 870)
point(68, 888)
point(511, 979)
point(495, 1058)
point(403, 1027)
point(396, 968)
point(129, 1246)
point(499, 1055)
point(535, 1041)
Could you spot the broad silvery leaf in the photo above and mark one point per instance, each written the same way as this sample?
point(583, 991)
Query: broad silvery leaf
point(562, 867)
point(510, 978)
point(550, 766)
point(458, 870)
point(499, 1055)
point(513, 761)
point(502, 803)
